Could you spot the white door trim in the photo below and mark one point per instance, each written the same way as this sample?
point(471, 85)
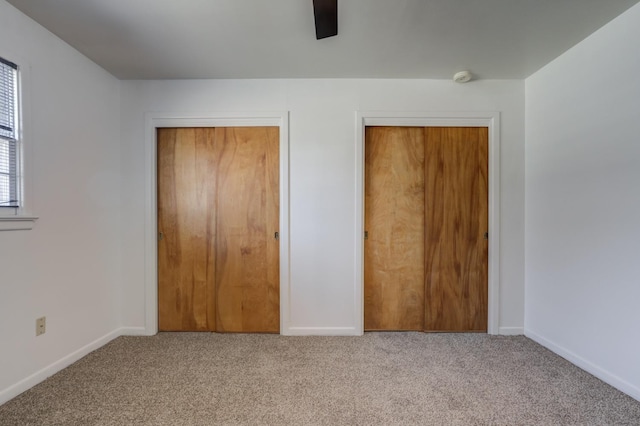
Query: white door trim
point(154, 121)
point(491, 120)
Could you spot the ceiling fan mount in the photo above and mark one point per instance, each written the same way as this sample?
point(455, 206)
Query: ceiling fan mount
point(325, 13)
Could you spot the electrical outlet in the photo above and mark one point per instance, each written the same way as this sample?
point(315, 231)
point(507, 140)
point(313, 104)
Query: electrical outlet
point(41, 325)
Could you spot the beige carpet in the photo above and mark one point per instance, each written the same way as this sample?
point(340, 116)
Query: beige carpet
point(379, 379)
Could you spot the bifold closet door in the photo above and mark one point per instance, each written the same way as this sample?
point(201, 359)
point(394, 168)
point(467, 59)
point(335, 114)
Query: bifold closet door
point(426, 214)
point(218, 214)
point(394, 222)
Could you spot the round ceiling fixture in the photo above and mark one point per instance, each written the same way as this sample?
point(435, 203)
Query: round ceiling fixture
point(462, 77)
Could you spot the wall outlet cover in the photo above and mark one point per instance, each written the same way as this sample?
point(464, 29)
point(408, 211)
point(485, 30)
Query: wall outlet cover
point(41, 325)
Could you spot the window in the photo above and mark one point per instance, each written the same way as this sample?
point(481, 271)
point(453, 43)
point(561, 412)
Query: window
point(8, 134)
point(13, 213)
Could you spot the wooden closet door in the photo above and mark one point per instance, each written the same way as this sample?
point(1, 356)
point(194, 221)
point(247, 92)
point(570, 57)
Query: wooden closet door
point(218, 212)
point(394, 221)
point(456, 182)
point(247, 252)
point(186, 220)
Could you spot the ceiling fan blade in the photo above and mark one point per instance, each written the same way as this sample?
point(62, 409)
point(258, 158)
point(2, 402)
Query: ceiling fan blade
point(326, 16)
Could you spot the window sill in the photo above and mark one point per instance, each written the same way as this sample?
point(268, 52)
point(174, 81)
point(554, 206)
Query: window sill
point(17, 223)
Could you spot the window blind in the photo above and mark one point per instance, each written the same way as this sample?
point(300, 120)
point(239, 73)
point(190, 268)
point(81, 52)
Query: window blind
point(8, 134)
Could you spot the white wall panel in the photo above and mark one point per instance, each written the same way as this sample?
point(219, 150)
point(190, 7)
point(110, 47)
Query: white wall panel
point(67, 267)
point(322, 178)
point(583, 204)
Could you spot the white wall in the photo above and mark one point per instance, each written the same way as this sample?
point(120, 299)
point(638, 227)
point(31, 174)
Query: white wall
point(583, 204)
point(67, 268)
point(322, 177)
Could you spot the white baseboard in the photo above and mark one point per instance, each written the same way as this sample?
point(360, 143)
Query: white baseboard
point(321, 331)
point(604, 375)
point(39, 376)
point(511, 331)
point(351, 331)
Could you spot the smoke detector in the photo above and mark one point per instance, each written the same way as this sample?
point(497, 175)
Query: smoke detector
point(462, 77)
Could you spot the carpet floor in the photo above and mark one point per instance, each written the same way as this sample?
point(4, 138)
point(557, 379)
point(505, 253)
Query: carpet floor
point(378, 379)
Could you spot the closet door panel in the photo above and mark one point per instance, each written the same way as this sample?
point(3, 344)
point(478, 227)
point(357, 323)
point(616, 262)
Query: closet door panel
point(394, 221)
point(456, 206)
point(186, 224)
point(247, 251)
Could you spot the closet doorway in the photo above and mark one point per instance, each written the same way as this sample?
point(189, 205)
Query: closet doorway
point(218, 223)
point(426, 228)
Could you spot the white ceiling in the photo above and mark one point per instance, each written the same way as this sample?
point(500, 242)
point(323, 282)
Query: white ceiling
point(169, 39)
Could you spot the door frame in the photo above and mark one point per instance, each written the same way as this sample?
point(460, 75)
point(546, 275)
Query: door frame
point(153, 121)
point(490, 120)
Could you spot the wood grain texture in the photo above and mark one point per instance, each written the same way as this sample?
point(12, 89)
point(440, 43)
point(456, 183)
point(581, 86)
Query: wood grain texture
point(456, 252)
point(186, 218)
point(394, 219)
point(247, 258)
